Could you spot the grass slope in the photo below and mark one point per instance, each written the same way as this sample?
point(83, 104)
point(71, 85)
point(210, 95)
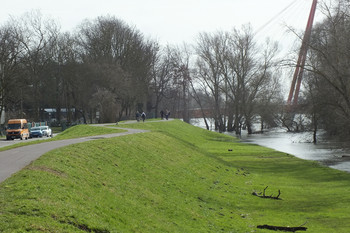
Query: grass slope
point(79, 131)
point(178, 178)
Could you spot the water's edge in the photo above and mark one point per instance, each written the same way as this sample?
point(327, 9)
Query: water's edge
point(329, 153)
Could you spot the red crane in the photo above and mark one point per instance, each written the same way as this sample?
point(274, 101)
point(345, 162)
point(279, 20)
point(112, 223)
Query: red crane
point(299, 69)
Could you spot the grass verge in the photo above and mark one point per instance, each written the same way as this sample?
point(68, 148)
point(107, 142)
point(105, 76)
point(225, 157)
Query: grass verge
point(79, 131)
point(178, 178)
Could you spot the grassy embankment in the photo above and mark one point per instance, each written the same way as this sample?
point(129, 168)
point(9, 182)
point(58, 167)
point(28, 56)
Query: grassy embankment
point(178, 178)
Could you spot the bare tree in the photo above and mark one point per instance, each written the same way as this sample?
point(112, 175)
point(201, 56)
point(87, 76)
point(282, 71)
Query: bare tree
point(161, 77)
point(210, 49)
point(37, 36)
point(125, 56)
point(237, 74)
point(329, 63)
point(250, 74)
point(9, 68)
point(198, 97)
point(180, 58)
point(64, 75)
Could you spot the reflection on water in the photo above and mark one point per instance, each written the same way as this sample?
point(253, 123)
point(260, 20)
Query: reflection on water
point(332, 154)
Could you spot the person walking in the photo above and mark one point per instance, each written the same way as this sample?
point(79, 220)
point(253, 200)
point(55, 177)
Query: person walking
point(143, 116)
point(137, 116)
point(167, 114)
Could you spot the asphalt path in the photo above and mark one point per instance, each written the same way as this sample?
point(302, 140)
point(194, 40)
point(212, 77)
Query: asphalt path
point(4, 142)
point(12, 161)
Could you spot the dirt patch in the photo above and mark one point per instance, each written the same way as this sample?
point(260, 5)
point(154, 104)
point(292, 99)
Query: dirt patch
point(47, 169)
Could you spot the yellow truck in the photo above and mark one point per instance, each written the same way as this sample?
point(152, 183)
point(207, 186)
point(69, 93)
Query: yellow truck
point(17, 128)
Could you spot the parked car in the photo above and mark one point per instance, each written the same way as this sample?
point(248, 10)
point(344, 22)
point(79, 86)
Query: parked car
point(46, 131)
point(36, 132)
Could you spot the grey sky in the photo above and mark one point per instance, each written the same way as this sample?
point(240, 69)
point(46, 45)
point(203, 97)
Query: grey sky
point(171, 21)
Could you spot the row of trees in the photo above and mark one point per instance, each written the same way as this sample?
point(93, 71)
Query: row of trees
point(107, 70)
point(240, 78)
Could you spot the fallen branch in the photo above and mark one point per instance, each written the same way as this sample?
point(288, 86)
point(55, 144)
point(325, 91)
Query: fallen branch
point(264, 196)
point(278, 228)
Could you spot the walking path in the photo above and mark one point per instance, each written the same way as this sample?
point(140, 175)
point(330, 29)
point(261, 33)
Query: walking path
point(12, 161)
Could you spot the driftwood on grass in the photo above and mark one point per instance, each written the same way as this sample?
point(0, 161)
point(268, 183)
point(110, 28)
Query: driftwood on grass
point(264, 196)
point(278, 228)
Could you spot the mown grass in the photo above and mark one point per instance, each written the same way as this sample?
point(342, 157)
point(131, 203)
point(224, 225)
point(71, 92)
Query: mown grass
point(77, 131)
point(178, 178)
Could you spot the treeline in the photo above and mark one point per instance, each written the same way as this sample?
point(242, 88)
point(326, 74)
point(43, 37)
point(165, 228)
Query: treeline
point(106, 70)
point(104, 67)
point(239, 77)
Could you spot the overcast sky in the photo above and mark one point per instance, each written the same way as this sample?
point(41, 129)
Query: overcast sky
point(172, 21)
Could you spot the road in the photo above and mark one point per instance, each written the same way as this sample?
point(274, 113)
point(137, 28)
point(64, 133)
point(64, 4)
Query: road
point(4, 142)
point(12, 161)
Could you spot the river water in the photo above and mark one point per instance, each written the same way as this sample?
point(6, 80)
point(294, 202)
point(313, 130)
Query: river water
point(329, 153)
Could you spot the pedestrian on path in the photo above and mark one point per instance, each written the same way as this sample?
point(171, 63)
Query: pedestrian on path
point(167, 114)
point(143, 115)
point(137, 116)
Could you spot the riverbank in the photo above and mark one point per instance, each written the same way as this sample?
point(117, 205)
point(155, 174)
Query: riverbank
point(177, 178)
point(328, 152)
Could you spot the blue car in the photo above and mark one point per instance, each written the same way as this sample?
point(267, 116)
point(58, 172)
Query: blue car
point(36, 132)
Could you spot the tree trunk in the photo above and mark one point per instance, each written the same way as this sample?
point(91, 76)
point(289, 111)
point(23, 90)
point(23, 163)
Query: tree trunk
point(315, 129)
point(249, 126)
point(230, 126)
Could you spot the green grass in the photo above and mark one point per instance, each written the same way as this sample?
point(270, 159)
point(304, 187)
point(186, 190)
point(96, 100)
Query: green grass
point(177, 178)
point(57, 129)
point(85, 131)
point(77, 131)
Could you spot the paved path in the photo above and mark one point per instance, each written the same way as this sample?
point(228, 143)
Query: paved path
point(12, 161)
point(4, 142)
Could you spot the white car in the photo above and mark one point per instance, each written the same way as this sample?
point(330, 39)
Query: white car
point(46, 131)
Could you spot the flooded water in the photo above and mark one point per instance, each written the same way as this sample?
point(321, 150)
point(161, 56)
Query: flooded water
point(330, 153)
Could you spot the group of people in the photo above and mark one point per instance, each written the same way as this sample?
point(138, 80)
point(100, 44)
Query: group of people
point(143, 116)
point(166, 114)
point(163, 114)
